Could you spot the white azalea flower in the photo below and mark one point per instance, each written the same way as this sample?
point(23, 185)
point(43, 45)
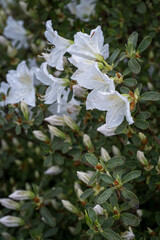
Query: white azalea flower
point(54, 170)
point(55, 57)
point(11, 221)
point(90, 46)
point(55, 88)
point(16, 32)
point(106, 131)
point(83, 10)
point(3, 89)
point(79, 91)
point(70, 108)
point(116, 105)
point(128, 235)
point(21, 85)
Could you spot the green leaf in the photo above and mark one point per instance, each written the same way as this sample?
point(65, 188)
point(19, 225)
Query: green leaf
point(141, 8)
point(94, 177)
point(142, 124)
point(134, 66)
point(105, 195)
point(130, 82)
point(130, 176)
point(115, 162)
point(121, 127)
point(124, 90)
point(92, 214)
point(150, 96)
point(114, 56)
point(130, 219)
point(109, 222)
point(144, 44)
point(48, 161)
point(87, 193)
point(110, 235)
point(18, 129)
point(39, 119)
point(158, 218)
point(107, 179)
point(143, 115)
point(126, 72)
point(47, 216)
point(91, 159)
point(131, 198)
point(133, 39)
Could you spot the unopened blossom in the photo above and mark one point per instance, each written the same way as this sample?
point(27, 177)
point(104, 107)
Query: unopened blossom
point(139, 212)
point(55, 57)
point(87, 141)
point(83, 10)
point(143, 160)
point(10, 204)
point(3, 89)
point(11, 221)
point(90, 47)
point(55, 88)
point(84, 176)
point(22, 195)
point(116, 105)
point(69, 206)
point(40, 135)
point(54, 170)
point(79, 91)
point(104, 154)
point(71, 123)
point(7, 236)
point(56, 132)
point(78, 190)
point(16, 32)
point(99, 210)
point(21, 85)
point(25, 110)
point(128, 235)
point(55, 120)
point(116, 151)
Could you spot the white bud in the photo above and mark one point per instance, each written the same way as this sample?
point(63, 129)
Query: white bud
point(150, 86)
point(72, 108)
point(73, 230)
point(7, 236)
point(104, 154)
point(79, 91)
point(56, 132)
point(10, 204)
point(11, 221)
point(12, 52)
point(139, 212)
point(55, 120)
point(22, 195)
point(87, 141)
point(55, 204)
point(15, 142)
point(116, 151)
point(69, 206)
point(70, 123)
point(142, 136)
point(54, 170)
point(128, 235)
point(25, 110)
point(99, 210)
point(78, 190)
point(84, 176)
point(141, 158)
point(40, 135)
point(3, 41)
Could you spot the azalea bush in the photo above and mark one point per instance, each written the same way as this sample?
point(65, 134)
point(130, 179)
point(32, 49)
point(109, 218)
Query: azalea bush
point(79, 120)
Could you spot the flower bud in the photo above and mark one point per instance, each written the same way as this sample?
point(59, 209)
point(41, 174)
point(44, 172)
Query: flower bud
point(22, 195)
point(56, 132)
point(7, 236)
point(139, 212)
point(25, 110)
point(84, 176)
point(11, 221)
point(55, 120)
point(70, 123)
point(142, 137)
point(150, 86)
point(3, 41)
point(40, 135)
point(128, 235)
point(104, 154)
point(141, 158)
point(10, 204)
point(72, 108)
point(69, 206)
point(12, 52)
point(99, 57)
point(116, 151)
point(78, 190)
point(87, 142)
point(118, 78)
point(79, 91)
point(54, 170)
point(99, 210)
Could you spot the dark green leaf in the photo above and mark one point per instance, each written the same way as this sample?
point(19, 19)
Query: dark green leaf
point(105, 195)
point(130, 219)
point(87, 193)
point(106, 178)
point(130, 82)
point(110, 235)
point(115, 162)
point(150, 96)
point(130, 176)
point(92, 214)
point(133, 39)
point(121, 127)
point(142, 124)
point(143, 115)
point(18, 129)
point(134, 66)
point(144, 44)
point(47, 216)
point(114, 56)
point(131, 198)
point(91, 159)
